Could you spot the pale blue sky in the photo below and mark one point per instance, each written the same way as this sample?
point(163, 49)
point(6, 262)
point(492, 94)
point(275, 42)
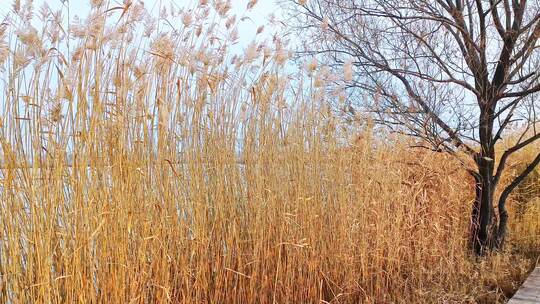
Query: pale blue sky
point(247, 29)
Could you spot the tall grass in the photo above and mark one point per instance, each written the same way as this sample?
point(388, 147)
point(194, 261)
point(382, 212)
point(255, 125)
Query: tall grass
point(145, 162)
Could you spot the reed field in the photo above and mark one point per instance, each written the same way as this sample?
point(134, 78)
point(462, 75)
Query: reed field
point(146, 160)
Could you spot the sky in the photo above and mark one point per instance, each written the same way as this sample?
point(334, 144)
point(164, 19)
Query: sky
point(247, 29)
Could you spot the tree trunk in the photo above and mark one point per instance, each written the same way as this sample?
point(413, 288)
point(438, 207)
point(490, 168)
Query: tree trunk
point(484, 232)
point(503, 220)
point(484, 229)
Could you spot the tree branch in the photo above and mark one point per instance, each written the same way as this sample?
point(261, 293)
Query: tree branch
point(508, 152)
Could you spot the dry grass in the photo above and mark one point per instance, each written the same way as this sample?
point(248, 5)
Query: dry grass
point(154, 170)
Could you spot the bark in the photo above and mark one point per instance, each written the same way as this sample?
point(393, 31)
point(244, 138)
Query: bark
point(484, 223)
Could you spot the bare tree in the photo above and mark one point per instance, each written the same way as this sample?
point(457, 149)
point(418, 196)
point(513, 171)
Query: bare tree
point(458, 74)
